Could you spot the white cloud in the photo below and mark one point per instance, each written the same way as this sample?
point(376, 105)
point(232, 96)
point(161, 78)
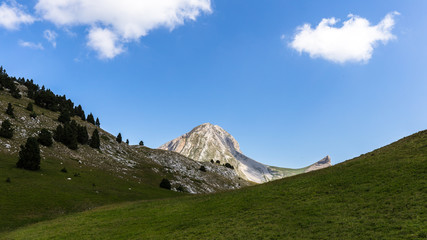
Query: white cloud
point(12, 16)
point(120, 21)
point(105, 42)
point(354, 41)
point(37, 46)
point(50, 36)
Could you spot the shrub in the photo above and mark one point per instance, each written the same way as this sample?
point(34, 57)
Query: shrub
point(33, 115)
point(9, 110)
point(64, 170)
point(165, 184)
point(119, 138)
point(6, 129)
point(212, 161)
point(229, 166)
point(30, 107)
point(45, 138)
point(180, 188)
point(8, 180)
point(141, 143)
point(29, 156)
point(218, 162)
point(202, 168)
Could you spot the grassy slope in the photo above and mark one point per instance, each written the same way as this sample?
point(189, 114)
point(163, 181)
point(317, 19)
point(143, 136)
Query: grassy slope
point(41, 195)
point(379, 195)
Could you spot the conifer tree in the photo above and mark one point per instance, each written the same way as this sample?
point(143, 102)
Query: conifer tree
point(64, 116)
point(30, 107)
point(127, 141)
point(70, 135)
point(9, 110)
point(141, 143)
point(94, 140)
point(165, 183)
point(45, 138)
point(119, 138)
point(59, 133)
point(29, 156)
point(90, 119)
point(6, 129)
point(97, 123)
point(82, 135)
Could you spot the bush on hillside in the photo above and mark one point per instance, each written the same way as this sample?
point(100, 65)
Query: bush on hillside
point(141, 143)
point(119, 138)
point(29, 156)
point(64, 116)
point(202, 168)
point(9, 110)
point(45, 138)
point(90, 119)
point(33, 115)
point(229, 166)
point(165, 183)
point(30, 107)
point(6, 129)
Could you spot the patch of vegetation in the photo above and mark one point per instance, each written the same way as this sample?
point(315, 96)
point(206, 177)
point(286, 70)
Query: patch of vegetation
point(45, 138)
point(29, 156)
point(6, 130)
point(165, 183)
point(374, 196)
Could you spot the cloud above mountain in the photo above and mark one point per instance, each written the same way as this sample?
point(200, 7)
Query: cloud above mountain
point(12, 16)
point(113, 23)
point(354, 41)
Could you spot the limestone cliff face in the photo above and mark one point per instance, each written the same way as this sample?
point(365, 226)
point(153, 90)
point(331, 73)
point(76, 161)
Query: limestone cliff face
point(210, 142)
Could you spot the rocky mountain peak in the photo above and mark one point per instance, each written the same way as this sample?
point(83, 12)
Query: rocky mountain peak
point(208, 142)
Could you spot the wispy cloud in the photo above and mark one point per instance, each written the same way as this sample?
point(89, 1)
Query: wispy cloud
point(111, 24)
point(13, 15)
point(50, 36)
point(354, 41)
point(37, 46)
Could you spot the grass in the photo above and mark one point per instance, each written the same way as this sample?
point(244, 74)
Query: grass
point(46, 194)
point(379, 195)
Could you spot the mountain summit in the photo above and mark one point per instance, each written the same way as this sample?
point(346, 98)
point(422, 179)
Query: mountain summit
point(209, 142)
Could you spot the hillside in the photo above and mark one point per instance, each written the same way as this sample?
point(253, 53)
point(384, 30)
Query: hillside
point(114, 173)
point(379, 195)
point(208, 142)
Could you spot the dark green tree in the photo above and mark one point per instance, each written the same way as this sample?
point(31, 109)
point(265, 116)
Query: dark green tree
point(70, 135)
point(64, 116)
point(30, 107)
point(45, 138)
point(165, 183)
point(6, 129)
point(97, 123)
point(94, 140)
point(9, 110)
point(141, 143)
point(119, 138)
point(82, 135)
point(58, 135)
point(127, 141)
point(90, 119)
point(29, 156)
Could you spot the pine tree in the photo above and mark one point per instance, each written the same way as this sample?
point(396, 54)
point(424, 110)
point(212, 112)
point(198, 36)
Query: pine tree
point(97, 123)
point(59, 134)
point(30, 107)
point(29, 156)
point(64, 116)
point(127, 141)
point(70, 135)
point(45, 138)
point(90, 119)
point(94, 140)
point(119, 138)
point(141, 143)
point(9, 110)
point(6, 129)
point(82, 135)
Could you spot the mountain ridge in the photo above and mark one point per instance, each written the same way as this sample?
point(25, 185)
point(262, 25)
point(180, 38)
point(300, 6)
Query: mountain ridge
point(208, 142)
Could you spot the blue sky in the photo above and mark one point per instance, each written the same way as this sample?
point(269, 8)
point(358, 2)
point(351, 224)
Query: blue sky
point(232, 63)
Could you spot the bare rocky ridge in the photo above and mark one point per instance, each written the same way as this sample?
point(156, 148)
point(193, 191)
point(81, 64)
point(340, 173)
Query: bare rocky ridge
point(210, 142)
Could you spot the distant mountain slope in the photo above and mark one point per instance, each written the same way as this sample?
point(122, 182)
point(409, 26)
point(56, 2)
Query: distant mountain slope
point(379, 195)
point(210, 142)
